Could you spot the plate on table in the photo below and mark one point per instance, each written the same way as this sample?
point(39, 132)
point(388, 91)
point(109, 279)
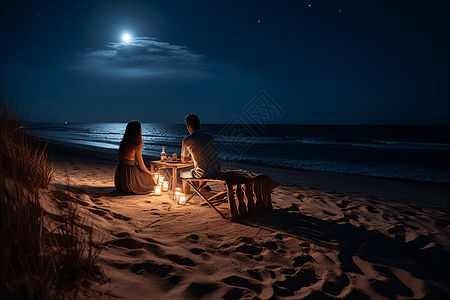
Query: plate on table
point(173, 161)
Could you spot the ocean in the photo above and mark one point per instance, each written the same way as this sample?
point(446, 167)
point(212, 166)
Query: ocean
point(413, 152)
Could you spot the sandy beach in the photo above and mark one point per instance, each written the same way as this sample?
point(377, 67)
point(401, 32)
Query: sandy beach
point(329, 236)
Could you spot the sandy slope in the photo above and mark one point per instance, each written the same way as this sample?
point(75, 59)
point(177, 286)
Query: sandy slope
point(328, 237)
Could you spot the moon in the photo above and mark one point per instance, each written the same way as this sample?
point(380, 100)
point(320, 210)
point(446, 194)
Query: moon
point(126, 38)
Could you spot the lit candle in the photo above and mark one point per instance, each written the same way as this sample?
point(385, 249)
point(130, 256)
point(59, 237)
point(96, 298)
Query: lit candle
point(182, 199)
point(161, 179)
point(165, 186)
point(158, 190)
point(177, 194)
point(156, 177)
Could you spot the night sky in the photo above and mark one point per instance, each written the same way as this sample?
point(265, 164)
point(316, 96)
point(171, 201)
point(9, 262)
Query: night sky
point(316, 62)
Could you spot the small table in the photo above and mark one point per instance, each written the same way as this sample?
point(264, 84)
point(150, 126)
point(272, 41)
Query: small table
point(174, 165)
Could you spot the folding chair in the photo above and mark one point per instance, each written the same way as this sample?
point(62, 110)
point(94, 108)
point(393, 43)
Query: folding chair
point(201, 184)
point(246, 191)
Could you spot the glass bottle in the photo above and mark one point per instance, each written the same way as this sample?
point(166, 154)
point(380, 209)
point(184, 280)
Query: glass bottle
point(163, 154)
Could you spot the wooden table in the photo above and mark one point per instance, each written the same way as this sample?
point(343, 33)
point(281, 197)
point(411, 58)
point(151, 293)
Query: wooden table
point(173, 165)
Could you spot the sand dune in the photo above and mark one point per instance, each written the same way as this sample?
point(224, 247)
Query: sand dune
point(319, 242)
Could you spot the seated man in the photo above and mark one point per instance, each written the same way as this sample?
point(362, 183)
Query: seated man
point(199, 146)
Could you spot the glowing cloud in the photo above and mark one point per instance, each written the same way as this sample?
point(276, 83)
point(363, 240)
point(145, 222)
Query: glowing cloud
point(141, 57)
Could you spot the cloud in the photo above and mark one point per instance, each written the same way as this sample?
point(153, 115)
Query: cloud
point(140, 58)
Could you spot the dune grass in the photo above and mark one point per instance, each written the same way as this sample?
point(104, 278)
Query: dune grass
point(20, 155)
point(41, 256)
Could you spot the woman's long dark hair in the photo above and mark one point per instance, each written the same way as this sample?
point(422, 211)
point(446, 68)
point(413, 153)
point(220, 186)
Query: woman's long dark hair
point(132, 134)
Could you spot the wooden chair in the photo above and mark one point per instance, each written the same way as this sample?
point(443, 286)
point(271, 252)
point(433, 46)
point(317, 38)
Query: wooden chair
point(246, 191)
point(197, 191)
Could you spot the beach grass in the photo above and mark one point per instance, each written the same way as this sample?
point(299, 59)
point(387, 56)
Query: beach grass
point(42, 256)
point(21, 157)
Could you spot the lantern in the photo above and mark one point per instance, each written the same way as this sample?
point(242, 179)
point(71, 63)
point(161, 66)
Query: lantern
point(158, 190)
point(177, 195)
point(165, 186)
point(182, 199)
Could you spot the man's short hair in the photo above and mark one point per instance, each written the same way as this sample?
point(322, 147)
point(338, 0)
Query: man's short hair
point(193, 121)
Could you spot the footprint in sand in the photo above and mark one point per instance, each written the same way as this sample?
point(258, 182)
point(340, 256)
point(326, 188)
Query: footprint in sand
point(397, 229)
point(288, 271)
point(386, 216)
point(302, 259)
point(196, 251)
point(255, 275)
point(334, 284)
point(293, 207)
point(153, 241)
point(372, 209)
point(137, 253)
point(249, 249)
point(300, 197)
point(181, 260)
point(151, 267)
point(400, 231)
point(270, 245)
point(352, 216)
point(245, 246)
point(279, 236)
point(122, 235)
point(193, 238)
point(302, 278)
point(343, 204)
point(127, 242)
point(199, 290)
point(234, 293)
point(273, 267)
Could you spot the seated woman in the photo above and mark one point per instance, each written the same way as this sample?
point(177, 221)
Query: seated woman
point(132, 176)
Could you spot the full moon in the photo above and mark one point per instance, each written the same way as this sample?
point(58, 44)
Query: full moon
point(126, 38)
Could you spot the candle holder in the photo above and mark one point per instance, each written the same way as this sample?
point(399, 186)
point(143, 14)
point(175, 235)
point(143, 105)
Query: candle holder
point(158, 190)
point(182, 200)
point(177, 195)
point(165, 186)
